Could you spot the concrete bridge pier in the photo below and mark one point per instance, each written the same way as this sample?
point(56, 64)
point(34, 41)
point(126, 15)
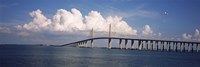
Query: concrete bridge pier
point(197, 47)
point(146, 44)
point(157, 45)
point(162, 45)
point(175, 45)
point(132, 44)
point(109, 43)
point(77, 44)
point(172, 46)
point(167, 46)
point(140, 46)
point(188, 48)
point(192, 49)
point(183, 46)
point(80, 43)
point(126, 43)
point(120, 43)
point(151, 43)
point(92, 43)
point(85, 43)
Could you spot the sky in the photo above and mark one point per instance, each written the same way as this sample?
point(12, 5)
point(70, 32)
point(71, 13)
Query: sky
point(65, 21)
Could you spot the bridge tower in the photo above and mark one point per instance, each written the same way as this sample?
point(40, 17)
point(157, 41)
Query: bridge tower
point(92, 36)
point(109, 40)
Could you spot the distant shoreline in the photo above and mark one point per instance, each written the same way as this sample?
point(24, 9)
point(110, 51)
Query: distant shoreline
point(27, 44)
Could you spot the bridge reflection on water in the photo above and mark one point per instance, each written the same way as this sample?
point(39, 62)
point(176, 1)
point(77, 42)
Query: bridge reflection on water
point(143, 44)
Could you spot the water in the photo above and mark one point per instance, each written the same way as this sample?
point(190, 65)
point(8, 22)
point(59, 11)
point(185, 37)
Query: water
point(49, 56)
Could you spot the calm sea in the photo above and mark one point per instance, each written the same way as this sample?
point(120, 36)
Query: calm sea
point(51, 56)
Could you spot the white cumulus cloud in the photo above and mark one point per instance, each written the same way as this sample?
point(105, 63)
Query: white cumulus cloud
point(39, 23)
point(147, 30)
point(73, 22)
point(187, 36)
point(197, 35)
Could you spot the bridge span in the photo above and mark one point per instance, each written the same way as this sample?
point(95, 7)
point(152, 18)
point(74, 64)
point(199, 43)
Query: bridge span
point(149, 44)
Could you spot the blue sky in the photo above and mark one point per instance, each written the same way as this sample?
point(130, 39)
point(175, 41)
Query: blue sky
point(171, 18)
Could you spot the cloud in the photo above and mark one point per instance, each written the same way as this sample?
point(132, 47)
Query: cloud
point(195, 37)
point(71, 26)
point(5, 30)
point(147, 30)
point(196, 33)
point(73, 22)
point(187, 36)
point(39, 23)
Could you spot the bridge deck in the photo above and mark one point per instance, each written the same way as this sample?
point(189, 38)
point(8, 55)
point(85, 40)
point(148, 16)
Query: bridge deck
point(96, 38)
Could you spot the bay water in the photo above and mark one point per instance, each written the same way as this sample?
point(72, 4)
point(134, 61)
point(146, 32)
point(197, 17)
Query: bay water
point(52, 56)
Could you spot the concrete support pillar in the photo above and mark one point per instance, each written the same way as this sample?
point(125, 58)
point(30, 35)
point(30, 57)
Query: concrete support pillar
point(168, 46)
point(120, 43)
point(140, 44)
point(79, 44)
point(82, 43)
point(176, 49)
point(85, 43)
point(197, 47)
point(188, 48)
point(192, 47)
point(132, 44)
point(146, 44)
point(175, 46)
point(161, 45)
point(126, 44)
point(109, 43)
point(181, 46)
point(151, 43)
point(157, 45)
point(92, 43)
point(174, 43)
point(172, 46)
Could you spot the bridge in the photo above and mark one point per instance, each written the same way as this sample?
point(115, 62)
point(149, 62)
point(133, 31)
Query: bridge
point(143, 44)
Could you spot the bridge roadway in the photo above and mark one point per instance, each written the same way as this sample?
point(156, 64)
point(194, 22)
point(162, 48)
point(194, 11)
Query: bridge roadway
point(168, 44)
